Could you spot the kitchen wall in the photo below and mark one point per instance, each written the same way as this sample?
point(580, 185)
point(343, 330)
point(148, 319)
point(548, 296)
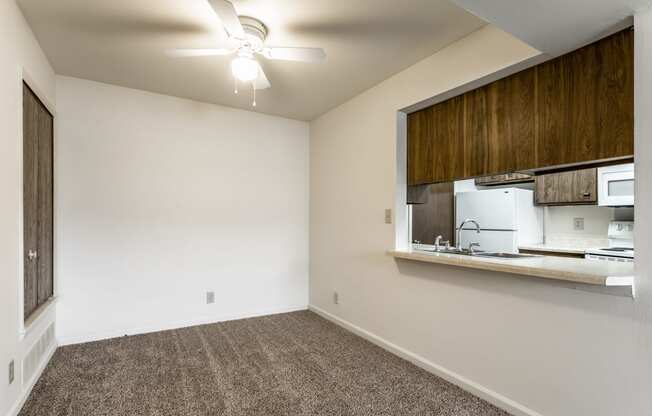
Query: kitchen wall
point(532, 346)
point(559, 225)
point(20, 55)
point(163, 199)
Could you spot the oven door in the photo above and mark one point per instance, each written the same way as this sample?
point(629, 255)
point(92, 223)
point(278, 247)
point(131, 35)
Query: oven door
point(616, 185)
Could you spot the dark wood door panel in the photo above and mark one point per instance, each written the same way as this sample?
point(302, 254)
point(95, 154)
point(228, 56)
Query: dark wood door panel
point(30, 201)
point(420, 147)
point(436, 216)
point(436, 143)
point(449, 145)
point(45, 206)
point(567, 188)
point(586, 103)
point(38, 135)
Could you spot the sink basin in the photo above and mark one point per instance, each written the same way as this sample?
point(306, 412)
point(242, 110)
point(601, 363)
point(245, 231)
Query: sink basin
point(504, 255)
point(479, 253)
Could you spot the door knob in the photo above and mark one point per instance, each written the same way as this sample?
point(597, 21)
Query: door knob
point(32, 254)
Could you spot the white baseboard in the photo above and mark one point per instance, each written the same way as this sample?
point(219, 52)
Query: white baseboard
point(472, 387)
point(25, 392)
point(98, 336)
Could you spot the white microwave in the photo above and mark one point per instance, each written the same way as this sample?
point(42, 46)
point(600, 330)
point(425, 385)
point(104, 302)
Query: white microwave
point(616, 185)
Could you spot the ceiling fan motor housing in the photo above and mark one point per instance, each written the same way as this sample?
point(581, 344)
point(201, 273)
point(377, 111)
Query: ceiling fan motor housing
point(255, 31)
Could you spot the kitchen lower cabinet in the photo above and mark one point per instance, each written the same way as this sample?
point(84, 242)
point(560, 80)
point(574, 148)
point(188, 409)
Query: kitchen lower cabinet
point(436, 215)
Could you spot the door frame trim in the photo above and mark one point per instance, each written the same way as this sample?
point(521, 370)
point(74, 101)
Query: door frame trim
point(23, 325)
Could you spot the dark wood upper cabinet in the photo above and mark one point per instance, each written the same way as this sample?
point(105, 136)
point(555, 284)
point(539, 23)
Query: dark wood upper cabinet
point(586, 103)
point(574, 109)
point(500, 126)
point(436, 143)
point(579, 187)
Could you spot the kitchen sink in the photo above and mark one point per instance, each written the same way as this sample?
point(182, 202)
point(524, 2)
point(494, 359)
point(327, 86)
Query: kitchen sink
point(504, 255)
point(478, 253)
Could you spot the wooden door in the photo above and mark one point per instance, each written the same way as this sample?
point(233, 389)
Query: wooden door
point(567, 188)
point(436, 216)
point(45, 206)
point(30, 200)
point(38, 125)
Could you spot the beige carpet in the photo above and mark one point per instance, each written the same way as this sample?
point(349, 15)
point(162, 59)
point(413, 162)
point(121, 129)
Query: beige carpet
point(288, 364)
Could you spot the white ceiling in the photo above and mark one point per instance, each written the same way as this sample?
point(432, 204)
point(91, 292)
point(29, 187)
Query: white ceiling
point(122, 42)
point(556, 26)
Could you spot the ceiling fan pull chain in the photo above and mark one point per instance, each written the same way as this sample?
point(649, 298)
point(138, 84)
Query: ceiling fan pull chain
point(254, 88)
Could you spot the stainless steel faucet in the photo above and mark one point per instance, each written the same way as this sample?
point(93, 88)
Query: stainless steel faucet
point(438, 243)
point(459, 231)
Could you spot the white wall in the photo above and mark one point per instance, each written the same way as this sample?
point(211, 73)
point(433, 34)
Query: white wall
point(548, 348)
point(559, 223)
point(19, 51)
point(643, 234)
point(162, 199)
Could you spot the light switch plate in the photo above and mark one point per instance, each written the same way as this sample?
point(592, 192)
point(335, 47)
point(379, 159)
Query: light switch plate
point(578, 224)
point(12, 372)
point(388, 216)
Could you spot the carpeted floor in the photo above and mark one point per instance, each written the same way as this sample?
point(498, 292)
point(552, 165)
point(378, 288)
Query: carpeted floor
point(289, 364)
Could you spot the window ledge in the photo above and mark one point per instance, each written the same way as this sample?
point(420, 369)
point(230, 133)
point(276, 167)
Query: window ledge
point(37, 317)
point(614, 278)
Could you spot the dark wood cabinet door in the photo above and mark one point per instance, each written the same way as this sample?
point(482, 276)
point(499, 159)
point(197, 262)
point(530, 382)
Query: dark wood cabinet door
point(500, 126)
point(436, 143)
point(420, 147)
point(45, 206)
point(567, 188)
point(30, 201)
point(38, 141)
point(512, 123)
point(436, 216)
point(586, 103)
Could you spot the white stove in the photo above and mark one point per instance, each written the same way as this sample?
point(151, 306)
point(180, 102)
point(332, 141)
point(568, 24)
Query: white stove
point(621, 244)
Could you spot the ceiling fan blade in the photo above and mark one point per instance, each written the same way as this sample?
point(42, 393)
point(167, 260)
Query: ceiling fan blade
point(295, 54)
point(261, 83)
point(226, 12)
point(199, 52)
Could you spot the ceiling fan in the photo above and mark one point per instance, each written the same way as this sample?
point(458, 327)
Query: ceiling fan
point(246, 38)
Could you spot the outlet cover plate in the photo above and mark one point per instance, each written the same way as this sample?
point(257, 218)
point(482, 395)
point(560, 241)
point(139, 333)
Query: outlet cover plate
point(210, 298)
point(578, 224)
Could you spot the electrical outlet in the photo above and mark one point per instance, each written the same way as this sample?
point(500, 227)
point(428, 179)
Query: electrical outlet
point(388, 216)
point(12, 373)
point(578, 224)
point(336, 298)
point(210, 298)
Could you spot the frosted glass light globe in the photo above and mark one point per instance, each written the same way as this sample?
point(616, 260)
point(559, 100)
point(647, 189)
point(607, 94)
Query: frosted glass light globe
point(244, 69)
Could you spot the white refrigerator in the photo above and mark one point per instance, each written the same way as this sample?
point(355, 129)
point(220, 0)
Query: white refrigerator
point(508, 219)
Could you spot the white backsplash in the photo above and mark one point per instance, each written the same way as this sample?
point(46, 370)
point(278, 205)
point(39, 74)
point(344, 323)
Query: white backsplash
point(559, 225)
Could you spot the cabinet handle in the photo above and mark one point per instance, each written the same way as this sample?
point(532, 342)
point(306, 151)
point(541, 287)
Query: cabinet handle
point(587, 194)
point(32, 254)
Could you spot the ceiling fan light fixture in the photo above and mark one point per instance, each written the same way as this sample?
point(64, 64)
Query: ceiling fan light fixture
point(245, 69)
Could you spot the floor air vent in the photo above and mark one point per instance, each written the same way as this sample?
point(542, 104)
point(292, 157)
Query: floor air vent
point(37, 354)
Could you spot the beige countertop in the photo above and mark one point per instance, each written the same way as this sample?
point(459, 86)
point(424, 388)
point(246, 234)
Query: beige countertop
point(590, 272)
point(553, 248)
